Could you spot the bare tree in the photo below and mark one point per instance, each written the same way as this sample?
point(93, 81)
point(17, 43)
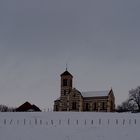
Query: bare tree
point(126, 106)
point(134, 98)
point(4, 108)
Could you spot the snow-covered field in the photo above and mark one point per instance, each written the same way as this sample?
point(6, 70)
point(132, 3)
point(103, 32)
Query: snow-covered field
point(69, 126)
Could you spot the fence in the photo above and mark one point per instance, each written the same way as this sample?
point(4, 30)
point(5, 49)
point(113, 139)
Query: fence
point(68, 122)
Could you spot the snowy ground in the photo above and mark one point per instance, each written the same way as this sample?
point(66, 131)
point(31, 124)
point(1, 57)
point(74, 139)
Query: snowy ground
point(69, 126)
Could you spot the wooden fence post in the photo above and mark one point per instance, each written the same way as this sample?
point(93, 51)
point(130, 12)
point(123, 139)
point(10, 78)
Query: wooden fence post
point(99, 121)
point(52, 122)
point(129, 121)
point(11, 122)
point(68, 121)
point(77, 122)
point(117, 121)
point(108, 121)
point(92, 122)
point(4, 121)
point(59, 122)
point(40, 122)
point(135, 121)
point(85, 122)
point(123, 121)
point(17, 122)
point(24, 121)
point(35, 121)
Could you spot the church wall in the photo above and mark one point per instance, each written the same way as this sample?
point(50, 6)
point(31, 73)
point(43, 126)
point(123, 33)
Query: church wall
point(95, 104)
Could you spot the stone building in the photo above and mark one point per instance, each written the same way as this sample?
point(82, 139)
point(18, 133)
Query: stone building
point(72, 99)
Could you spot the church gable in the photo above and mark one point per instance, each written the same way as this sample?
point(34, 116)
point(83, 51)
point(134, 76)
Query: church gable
point(111, 94)
point(75, 100)
point(111, 101)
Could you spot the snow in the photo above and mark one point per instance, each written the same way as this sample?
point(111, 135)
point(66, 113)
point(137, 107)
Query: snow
point(69, 126)
point(95, 93)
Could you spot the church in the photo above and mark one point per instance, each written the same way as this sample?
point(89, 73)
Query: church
point(72, 99)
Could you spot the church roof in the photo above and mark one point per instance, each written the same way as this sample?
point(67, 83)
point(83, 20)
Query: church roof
point(57, 99)
point(95, 93)
point(65, 73)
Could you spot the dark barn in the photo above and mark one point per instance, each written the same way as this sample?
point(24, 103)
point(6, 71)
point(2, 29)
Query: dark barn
point(27, 107)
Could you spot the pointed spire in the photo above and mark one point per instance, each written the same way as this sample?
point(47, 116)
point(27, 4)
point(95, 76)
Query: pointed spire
point(66, 67)
point(66, 72)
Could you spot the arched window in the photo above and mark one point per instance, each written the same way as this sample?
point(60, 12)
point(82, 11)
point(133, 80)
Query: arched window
point(65, 82)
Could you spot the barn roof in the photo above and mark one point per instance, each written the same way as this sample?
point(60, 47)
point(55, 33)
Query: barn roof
point(27, 107)
point(95, 93)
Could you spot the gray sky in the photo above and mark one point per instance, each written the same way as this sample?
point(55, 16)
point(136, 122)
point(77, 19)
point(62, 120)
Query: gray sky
point(99, 39)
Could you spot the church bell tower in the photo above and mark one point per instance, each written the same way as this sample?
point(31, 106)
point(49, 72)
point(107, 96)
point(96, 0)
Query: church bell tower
point(66, 83)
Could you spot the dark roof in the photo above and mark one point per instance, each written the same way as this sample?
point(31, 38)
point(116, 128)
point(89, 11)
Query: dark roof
point(66, 73)
point(34, 107)
point(27, 107)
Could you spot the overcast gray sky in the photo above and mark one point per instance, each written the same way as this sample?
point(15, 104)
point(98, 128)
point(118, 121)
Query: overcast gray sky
point(98, 39)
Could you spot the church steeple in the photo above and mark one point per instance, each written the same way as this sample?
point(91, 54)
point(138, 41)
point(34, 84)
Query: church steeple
point(66, 82)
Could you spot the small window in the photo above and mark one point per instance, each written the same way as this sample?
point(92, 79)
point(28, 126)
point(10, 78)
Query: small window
point(111, 108)
point(65, 82)
point(87, 106)
point(71, 83)
point(103, 105)
point(56, 108)
point(74, 106)
point(64, 92)
point(95, 106)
